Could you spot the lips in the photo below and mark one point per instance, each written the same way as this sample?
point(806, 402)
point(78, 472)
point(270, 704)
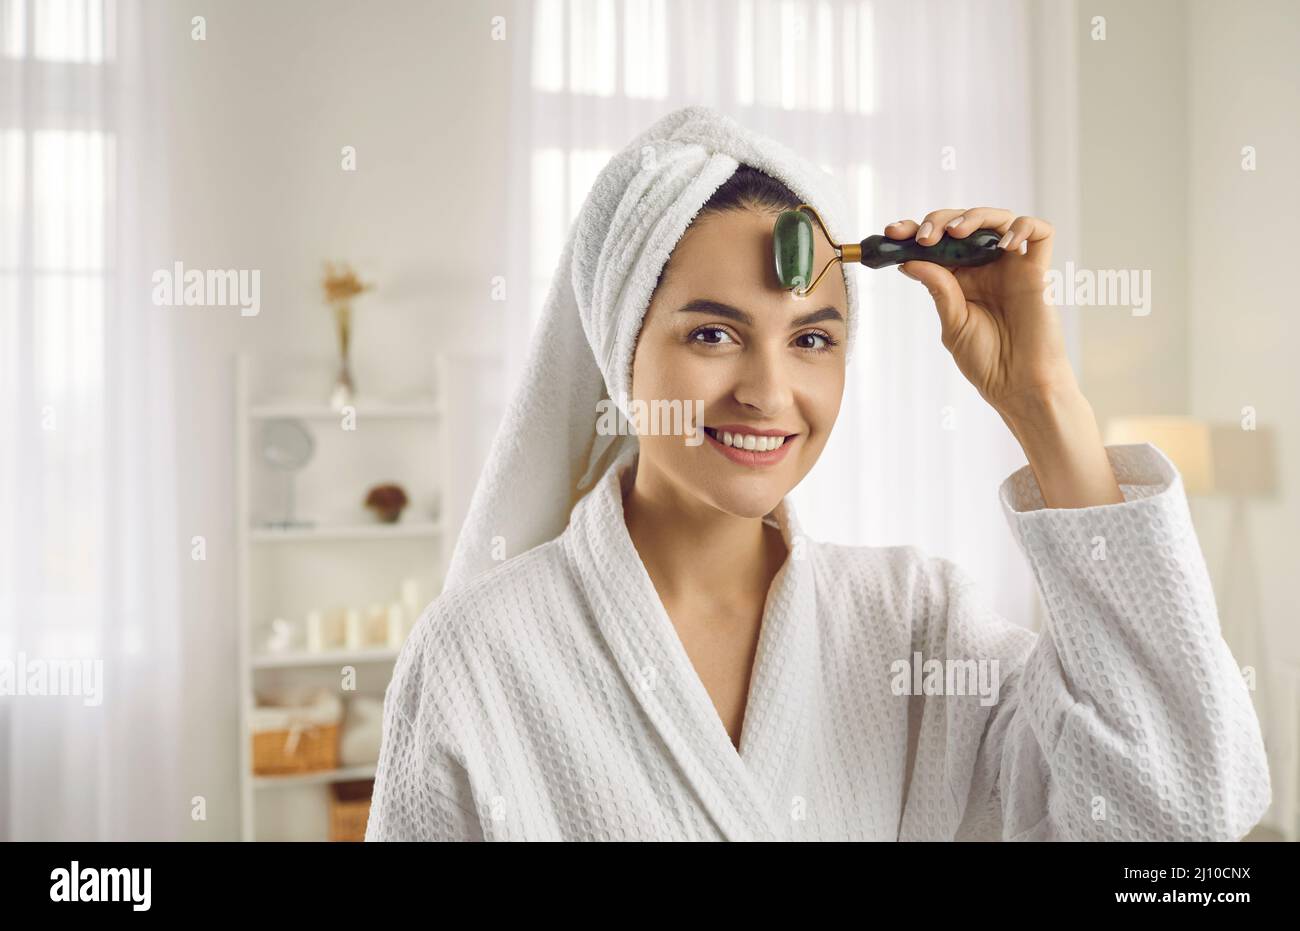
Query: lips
point(749, 445)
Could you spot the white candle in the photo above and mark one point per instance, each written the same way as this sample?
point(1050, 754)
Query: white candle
point(396, 625)
point(315, 632)
point(353, 635)
point(411, 597)
point(376, 624)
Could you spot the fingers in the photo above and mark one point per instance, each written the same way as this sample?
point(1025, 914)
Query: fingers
point(901, 229)
point(927, 232)
point(956, 223)
point(1027, 235)
point(932, 226)
point(1031, 236)
point(979, 218)
point(949, 300)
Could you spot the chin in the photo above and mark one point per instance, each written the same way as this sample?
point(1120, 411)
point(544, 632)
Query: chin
point(745, 497)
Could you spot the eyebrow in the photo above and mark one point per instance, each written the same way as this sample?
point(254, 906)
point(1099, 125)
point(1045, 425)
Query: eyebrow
point(719, 309)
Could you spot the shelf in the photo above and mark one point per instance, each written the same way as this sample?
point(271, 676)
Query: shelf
point(325, 658)
point(346, 541)
point(377, 410)
point(399, 531)
point(343, 774)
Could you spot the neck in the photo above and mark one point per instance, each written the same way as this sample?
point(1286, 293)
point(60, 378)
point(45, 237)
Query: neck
point(691, 548)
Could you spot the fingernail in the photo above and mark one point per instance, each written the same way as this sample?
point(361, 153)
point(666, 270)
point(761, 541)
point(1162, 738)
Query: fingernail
point(905, 271)
point(924, 231)
point(897, 223)
point(955, 221)
point(1006, 239)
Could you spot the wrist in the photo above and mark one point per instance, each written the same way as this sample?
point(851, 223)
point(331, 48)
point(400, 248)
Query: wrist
point(1058, 432)
point(1056, 411)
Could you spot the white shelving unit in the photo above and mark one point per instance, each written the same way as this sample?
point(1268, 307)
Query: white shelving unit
point(345, 559)
point(327, 658)
point(365, 411)
point(346, 532)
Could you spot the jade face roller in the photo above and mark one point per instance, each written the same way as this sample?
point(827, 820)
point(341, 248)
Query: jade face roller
point(792, 250)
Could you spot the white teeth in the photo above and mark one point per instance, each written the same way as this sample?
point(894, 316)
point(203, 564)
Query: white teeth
point(751, 441)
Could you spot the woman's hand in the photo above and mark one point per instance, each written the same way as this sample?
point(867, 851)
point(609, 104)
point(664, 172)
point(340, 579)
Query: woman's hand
point(1003, 336)
point(1006, 340)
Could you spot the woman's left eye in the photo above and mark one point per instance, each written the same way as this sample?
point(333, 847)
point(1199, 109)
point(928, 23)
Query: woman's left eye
point(820, 342)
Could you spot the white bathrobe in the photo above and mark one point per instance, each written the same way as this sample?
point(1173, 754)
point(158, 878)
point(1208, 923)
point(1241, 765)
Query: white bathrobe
point(551, 699)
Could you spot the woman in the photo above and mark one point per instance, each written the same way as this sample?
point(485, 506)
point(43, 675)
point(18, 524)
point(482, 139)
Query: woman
point(666, 656)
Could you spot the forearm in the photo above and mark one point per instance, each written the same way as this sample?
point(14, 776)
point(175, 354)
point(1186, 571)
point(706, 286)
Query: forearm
point(1111, 708)
point(1059, 435)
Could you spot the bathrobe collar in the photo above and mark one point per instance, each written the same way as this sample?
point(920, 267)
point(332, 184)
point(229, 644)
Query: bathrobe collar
point(748, 793)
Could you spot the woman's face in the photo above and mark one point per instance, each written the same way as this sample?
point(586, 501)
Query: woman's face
point(768, 366)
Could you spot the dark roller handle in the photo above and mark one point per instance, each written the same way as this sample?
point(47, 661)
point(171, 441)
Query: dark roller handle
point(979, 248)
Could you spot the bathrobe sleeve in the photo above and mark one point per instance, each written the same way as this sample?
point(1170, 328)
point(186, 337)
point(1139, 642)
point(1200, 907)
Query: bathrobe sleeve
point(1127, 717)
point(419, 794)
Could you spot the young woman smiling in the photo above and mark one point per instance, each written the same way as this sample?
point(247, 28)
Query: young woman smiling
point(680, 662)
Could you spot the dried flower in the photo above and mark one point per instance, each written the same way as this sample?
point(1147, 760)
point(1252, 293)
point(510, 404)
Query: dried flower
point(342, 283)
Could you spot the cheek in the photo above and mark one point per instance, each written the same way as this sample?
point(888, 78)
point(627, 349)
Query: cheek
point(666, 369)
point(822, 391)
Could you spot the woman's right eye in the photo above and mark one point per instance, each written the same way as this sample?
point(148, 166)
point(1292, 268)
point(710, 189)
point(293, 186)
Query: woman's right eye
point(711, 336)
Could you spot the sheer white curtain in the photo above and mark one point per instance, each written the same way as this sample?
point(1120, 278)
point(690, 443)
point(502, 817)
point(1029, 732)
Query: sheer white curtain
point(913, 106)
point(89, 553)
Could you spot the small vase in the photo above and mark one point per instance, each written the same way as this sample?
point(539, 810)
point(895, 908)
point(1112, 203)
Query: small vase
point(344, 391)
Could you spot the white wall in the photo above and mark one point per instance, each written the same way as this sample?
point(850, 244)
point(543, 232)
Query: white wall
point(1133, 210)
point(258, 115)
point(1244, 316)
point(1167, 101)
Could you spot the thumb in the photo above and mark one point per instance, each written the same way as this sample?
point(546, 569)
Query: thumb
point(949, 299)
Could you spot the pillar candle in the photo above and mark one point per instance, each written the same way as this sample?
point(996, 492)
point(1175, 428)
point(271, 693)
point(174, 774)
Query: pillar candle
point(315, 632)
point(353, 635)
point(396, 625)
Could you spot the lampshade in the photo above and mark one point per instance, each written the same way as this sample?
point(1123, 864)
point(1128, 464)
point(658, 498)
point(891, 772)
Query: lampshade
point(1185, 440)
point(1245, 461)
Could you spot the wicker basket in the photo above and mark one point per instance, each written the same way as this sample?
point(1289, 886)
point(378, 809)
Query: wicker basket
point(296, 732)
point(349, 809)
point(275, 753)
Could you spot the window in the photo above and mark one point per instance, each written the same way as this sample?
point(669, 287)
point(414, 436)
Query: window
point(57, 169)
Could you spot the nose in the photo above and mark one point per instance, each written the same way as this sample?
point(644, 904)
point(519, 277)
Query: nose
point(763, 383)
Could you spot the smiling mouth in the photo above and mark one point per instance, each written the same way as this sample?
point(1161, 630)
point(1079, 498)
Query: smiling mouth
point(750, 442)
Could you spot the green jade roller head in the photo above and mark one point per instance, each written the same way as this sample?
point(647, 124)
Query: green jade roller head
point(792, 250)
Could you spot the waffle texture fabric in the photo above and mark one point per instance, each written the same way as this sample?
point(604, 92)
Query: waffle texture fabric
point(551, 699)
